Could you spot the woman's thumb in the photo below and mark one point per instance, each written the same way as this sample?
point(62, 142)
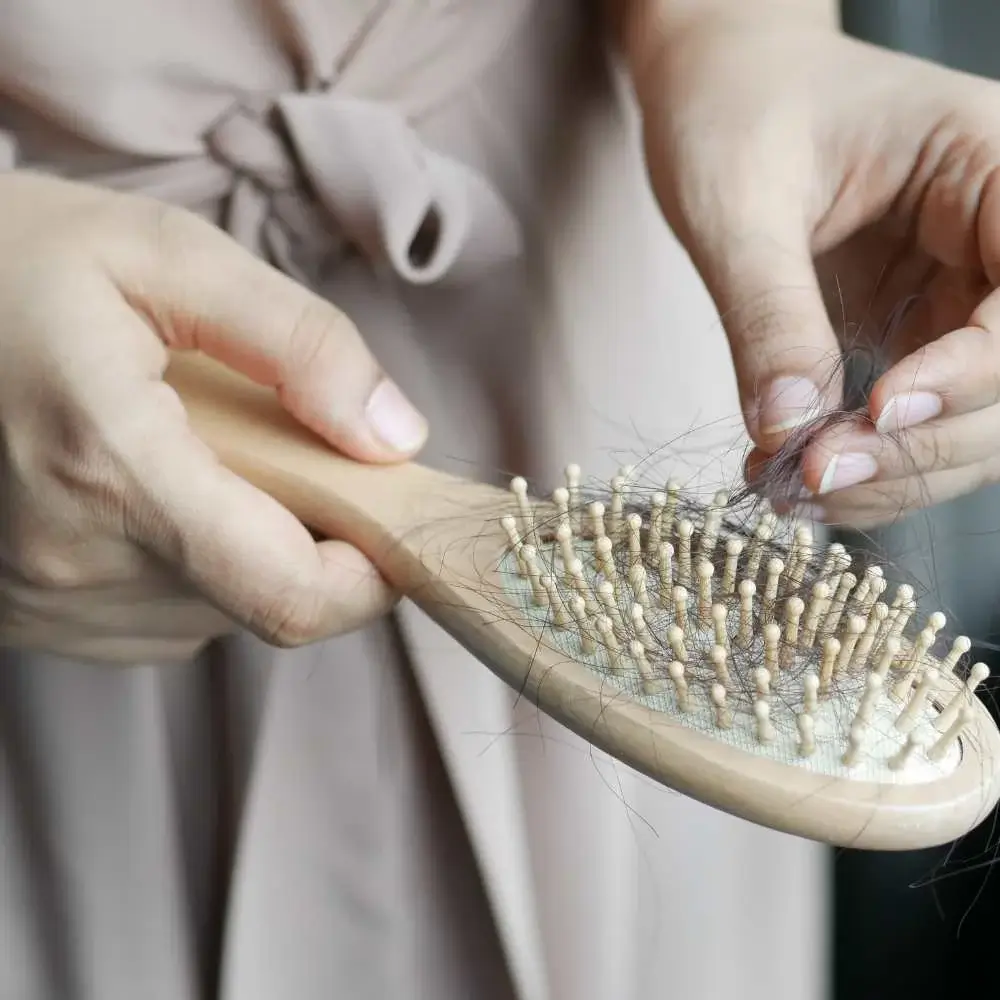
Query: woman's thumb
point(784, 349)
point(215, 297)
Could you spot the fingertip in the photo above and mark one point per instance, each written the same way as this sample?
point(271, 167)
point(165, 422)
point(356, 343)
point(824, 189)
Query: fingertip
point(381, 426)
point(337, 590)
point(957, 370)
point(787, 404)
point(815, 463)
point(357, 589)
point(793, 407)
point(399, 428)
point(896, 403)
point(772, 478)
point(881, 394)
point(882, 397)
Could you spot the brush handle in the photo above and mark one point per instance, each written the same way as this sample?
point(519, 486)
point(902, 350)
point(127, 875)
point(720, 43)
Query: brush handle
point(438, 540)
point(393, 513)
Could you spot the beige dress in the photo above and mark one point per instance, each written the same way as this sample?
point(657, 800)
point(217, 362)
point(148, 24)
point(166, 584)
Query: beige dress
point(376, 816)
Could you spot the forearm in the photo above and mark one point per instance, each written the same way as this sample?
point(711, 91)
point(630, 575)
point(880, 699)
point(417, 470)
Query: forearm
point(643, 27)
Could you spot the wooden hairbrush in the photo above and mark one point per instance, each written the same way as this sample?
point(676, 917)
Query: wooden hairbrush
point(736, 665)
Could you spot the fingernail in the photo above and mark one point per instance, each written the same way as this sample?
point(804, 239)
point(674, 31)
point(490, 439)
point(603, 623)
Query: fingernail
point(846, 470)
point(393, 419)
point(907, 410)
point(788, 402)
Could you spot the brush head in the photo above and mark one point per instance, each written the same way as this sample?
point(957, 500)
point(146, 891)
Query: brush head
point(729, 659)
point(742, 665)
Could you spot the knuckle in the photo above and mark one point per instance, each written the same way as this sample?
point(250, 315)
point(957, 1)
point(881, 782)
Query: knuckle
point(982, 357)
point(174, 242)
point(47, 568)
point(288, 621)
point(941, 451)
point(94, 482)
point(309, 337)
point(318, 335)
point(983, 343)
point(174, 230)
point(987, 473)
point(931, 450)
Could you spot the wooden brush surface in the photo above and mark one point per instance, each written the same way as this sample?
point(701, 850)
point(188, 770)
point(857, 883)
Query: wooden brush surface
point(439, 540)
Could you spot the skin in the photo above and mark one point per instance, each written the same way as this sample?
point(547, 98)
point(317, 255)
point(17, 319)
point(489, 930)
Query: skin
point(122, 538)
point(811, 178)
point(794, 164)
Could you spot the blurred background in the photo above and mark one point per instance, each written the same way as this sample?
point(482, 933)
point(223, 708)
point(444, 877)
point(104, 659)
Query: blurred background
point(917, 925)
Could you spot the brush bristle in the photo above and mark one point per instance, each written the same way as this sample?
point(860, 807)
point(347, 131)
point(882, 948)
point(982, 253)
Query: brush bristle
point(746, 633)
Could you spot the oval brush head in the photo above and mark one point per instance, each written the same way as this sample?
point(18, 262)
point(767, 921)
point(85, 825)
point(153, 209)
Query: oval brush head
point(753, 671)
point(729, 660)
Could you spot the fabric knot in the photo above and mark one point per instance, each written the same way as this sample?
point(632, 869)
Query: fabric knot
point(324, 166)
point(246, 141)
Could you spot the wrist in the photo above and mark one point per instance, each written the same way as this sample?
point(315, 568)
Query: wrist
point(644, 29)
